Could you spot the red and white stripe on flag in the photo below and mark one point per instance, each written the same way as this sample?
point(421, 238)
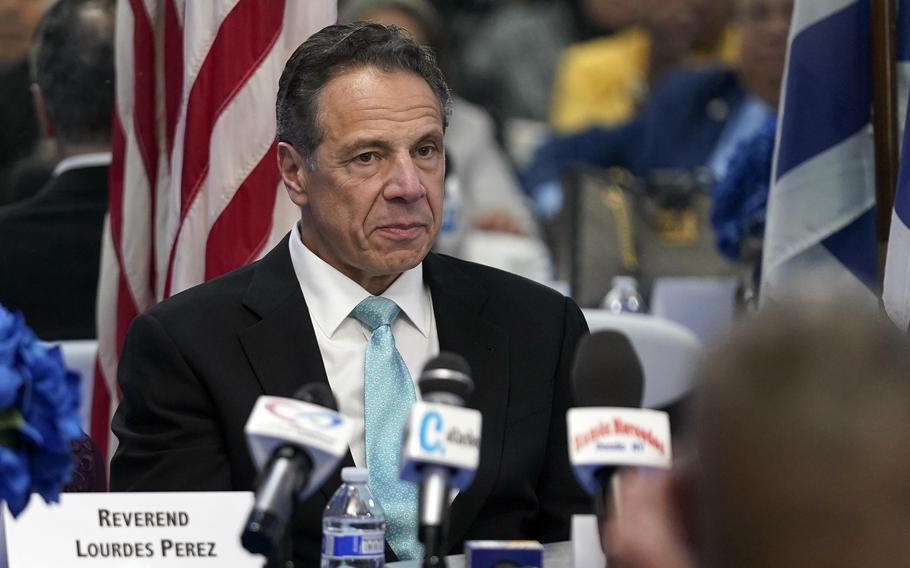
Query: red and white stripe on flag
point(194, 186)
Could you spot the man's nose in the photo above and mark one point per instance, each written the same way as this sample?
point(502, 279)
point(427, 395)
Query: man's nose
point(404, 181)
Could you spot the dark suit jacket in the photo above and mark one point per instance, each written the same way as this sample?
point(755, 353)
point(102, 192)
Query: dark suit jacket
point(678, 129)
point(50, 250)
point(193, 366)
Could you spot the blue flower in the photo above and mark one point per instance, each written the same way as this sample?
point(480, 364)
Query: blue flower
point(39, 415)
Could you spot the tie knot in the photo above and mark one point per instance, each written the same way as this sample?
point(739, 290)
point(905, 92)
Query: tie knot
point(376, 311)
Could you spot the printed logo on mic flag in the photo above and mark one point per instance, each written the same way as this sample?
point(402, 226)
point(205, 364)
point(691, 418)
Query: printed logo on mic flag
point(445, 435)
point(291, 413)
point(604, 437)
point(613, 435)
point(432, 422)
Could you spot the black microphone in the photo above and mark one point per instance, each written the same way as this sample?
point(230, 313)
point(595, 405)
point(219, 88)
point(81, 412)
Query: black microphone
point(293, 465)
point(606, 373)
point(441, 447)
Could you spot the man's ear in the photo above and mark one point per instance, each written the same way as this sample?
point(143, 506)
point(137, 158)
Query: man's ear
point(44, 120)
point(294, 172)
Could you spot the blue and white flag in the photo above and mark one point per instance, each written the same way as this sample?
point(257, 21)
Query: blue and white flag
point(821, 204)
point(896, 289)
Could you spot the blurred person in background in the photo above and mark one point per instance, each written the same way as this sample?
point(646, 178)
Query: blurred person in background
point(488, 219)
point(695, 117)
point(603, 81)
point(508, 63)
point(801, 436)
point(50, 244)
point(19, 133)
point(507, 59)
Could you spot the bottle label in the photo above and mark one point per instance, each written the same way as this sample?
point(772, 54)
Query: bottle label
point(361, 544)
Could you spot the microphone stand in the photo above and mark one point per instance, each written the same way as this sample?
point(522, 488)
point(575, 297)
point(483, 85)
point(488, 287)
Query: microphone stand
point(434, 501)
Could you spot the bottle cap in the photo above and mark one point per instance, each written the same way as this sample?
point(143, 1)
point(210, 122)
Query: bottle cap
point(355, 475)
point(625, 282)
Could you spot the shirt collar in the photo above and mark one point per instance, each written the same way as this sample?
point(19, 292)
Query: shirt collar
point(331, 296)
point(83, 161)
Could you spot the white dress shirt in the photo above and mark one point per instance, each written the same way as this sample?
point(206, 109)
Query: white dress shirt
point(330, 298)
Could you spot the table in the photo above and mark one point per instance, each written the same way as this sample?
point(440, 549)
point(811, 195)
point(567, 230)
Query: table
point(555, 555)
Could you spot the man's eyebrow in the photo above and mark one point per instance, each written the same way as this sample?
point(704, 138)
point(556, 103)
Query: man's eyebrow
point(435, 136)
point(362, 143)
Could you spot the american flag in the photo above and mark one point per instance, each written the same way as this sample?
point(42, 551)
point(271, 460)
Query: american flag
point(194, 186)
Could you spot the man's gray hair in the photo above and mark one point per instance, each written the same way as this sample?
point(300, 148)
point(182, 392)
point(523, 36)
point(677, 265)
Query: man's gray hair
point(332, 51)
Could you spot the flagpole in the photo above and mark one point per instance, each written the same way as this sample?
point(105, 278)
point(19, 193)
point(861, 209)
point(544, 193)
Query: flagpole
point(884, 121)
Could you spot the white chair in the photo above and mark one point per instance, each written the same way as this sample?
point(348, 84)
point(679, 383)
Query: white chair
point(79, 356)
point(667, 350)
point(703, 304)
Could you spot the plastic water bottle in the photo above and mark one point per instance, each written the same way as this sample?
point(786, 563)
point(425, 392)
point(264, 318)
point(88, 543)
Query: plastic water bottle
point(353, 526)
point(452, 230)
point(623, 297)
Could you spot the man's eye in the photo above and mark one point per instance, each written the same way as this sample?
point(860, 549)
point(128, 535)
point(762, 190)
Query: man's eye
point(366, 158)
point(426, 151)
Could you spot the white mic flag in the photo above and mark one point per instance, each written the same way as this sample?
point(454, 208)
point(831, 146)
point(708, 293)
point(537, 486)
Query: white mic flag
point(277, 421)
point(441, 435)
point(604, 437)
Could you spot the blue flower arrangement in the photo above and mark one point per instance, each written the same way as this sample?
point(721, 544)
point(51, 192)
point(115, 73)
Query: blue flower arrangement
point(39, 415)
point(739, 200)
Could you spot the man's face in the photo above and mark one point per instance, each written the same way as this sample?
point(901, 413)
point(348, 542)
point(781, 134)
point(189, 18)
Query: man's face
point(765, 25)
point(373, 206)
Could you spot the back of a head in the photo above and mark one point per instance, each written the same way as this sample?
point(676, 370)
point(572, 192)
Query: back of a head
point(72, 62)
point(803, 442)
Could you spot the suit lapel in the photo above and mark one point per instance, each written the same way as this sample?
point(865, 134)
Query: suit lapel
point(458, 302)
point(282, 346)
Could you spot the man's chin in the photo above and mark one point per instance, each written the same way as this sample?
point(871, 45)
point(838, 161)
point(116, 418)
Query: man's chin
point(397, 262)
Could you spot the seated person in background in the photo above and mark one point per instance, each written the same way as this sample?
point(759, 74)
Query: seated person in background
point(694, 118)
point(50, 244)
point(484, 201)
point(361, 119)
point(603, 81)
point(508, 59)
point(801, 452)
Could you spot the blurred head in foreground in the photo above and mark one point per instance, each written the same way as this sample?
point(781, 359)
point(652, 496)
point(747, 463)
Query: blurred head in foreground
point(802, 448)
point(803, 442)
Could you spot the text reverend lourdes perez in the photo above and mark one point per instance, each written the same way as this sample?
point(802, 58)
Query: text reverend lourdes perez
point(163, 547)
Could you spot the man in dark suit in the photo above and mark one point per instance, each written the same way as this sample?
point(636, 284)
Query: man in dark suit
point(50, 244)
point(361, 117)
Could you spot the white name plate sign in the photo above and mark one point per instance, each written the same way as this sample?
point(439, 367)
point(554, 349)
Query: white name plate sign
point(128, 530)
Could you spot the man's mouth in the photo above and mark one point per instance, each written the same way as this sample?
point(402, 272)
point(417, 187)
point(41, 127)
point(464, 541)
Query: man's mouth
point(402, 231)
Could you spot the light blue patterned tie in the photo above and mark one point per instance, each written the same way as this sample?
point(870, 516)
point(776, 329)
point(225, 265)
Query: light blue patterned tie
point(388, 395)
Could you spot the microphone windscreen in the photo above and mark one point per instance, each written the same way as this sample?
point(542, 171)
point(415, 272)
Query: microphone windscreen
point(607, 371)
point(447, 373)
point(448, 360)
point(317, 393)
